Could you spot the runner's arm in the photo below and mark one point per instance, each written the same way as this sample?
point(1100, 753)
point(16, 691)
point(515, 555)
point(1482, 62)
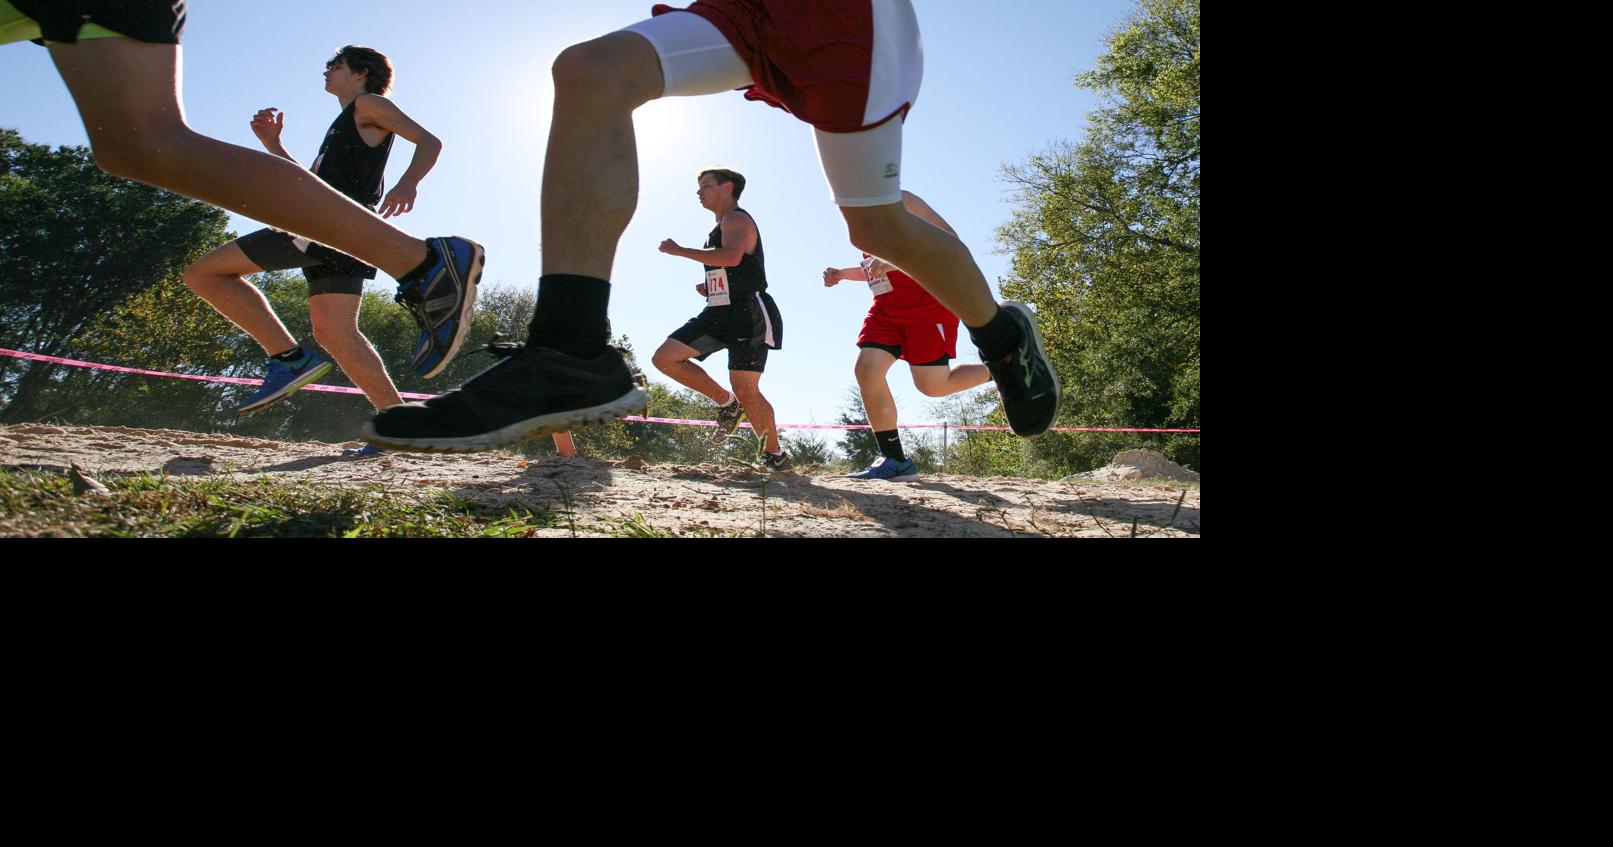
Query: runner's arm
point(738, 238)
point(266, 125)
point(375, 110)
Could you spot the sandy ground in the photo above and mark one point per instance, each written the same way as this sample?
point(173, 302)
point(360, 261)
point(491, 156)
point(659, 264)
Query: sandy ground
point(679, 499)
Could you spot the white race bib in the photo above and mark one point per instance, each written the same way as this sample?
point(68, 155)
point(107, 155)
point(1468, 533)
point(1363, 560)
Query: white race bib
point(717, 287)
point(877, 284)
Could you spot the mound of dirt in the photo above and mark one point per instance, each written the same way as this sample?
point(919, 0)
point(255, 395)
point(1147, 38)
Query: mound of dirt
point(1137, 464)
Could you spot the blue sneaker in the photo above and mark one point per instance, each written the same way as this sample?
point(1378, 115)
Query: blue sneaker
point(442, 301)
point(283, 379)
point(890, 470)
point(364, 452)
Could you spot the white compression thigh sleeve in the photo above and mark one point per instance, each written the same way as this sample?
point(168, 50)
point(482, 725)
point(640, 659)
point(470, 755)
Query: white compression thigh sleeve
point(695, 57)
point(863, 168)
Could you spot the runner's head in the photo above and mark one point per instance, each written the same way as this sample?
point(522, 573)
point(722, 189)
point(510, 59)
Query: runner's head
point(714, 195)
point(371, 64)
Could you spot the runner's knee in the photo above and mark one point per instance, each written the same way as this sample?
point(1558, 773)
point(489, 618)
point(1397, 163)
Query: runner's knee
point(142, 156)
point(608, 71)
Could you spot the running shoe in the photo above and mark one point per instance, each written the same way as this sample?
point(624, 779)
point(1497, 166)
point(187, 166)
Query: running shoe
point(530, 391)
point(1025, 379)
point(728, 418)
point(889, 469)
point(284, 379)
point(442, 300)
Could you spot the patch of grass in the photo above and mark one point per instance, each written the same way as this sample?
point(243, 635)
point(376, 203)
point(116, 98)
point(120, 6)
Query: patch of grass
point(636, 526)
point(146, 506)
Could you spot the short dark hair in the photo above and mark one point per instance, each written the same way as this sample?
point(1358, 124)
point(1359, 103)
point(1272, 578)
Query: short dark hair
point(377, 69)
point(723, 175)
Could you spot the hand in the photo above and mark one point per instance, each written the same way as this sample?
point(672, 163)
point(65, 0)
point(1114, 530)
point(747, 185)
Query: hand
point(670, 246)
point(701, 288)
point(399, 200)
point(266, 125)
point(831, 276)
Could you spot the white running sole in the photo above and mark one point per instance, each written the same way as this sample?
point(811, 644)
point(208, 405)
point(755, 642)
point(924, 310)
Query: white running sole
point(633, 401)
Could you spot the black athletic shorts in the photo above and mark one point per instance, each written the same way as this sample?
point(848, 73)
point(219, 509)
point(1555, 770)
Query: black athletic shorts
point(748, 328)
point(153, 21)
point(328, 271)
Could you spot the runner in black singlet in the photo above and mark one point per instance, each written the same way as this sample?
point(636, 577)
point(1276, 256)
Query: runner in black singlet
point(740, 315)
point(352, 159)
point(121, 60)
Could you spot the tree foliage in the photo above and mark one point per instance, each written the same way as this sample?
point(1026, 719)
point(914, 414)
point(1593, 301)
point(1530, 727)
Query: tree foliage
point(1105, 244)
point(75, 242)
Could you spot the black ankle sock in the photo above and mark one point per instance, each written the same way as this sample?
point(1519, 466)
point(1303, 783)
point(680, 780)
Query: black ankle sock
point(571, 315)
point(290, 356)
point(998, 337)
point(890, 444)
point(420, 269)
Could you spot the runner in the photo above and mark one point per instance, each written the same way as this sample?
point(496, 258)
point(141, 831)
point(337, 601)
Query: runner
point(906, 323)
point(352, 159)
point(121, 60)
point(790, 53)
point(740, 316)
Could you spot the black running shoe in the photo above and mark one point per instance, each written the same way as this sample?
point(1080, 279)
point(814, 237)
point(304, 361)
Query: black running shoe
point(728, 418)
point(1025, 379)
point(530, 391)
point(776, 462)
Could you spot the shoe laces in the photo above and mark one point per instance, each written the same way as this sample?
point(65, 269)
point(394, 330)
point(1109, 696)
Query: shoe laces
point(500, 347)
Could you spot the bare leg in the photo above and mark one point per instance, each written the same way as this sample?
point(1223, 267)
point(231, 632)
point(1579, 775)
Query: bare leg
point(335, 319)
point(756, 407)
point(590, 174)
point(673, 359)
point(219, 278)
point(940, 380)
point(563, 445)
point(128, 95)
point(872, 366)
point(936, 260)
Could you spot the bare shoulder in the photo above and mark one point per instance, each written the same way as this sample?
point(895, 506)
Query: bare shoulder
point(370, 103)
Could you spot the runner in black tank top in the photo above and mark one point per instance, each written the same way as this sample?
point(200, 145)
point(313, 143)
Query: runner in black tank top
point(740, 315)
point(352, 160)
point(350, 165)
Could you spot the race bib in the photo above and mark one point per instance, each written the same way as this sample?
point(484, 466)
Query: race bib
point(717, 287)
point(877, 284)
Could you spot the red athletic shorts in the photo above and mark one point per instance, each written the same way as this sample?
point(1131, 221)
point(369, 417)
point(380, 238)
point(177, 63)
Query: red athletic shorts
point(822, 60)
point(914, 342)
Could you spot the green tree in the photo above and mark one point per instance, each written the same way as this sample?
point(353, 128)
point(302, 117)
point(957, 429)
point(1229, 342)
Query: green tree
point(75, 243)
point(1105, 243)
point(860, 446)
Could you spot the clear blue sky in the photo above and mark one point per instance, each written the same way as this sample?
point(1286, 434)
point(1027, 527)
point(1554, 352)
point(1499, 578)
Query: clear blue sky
point(997, 88)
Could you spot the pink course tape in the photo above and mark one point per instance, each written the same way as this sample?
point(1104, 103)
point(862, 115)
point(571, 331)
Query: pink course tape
point(339, 389)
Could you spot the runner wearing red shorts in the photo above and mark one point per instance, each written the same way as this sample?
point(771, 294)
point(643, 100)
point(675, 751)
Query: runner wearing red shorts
point(851, 69)
point(905, 323)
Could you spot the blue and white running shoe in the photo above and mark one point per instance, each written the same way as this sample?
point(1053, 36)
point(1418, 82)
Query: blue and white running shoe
point(890, 470)
point(284, 379)
point(364, 452)
point(442, 301)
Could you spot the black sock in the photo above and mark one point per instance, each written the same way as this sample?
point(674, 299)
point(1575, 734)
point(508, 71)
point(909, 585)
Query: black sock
point(570, 315)
point(998, 338)
point(420, 269)
point(890, 444)
point(292, 355)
